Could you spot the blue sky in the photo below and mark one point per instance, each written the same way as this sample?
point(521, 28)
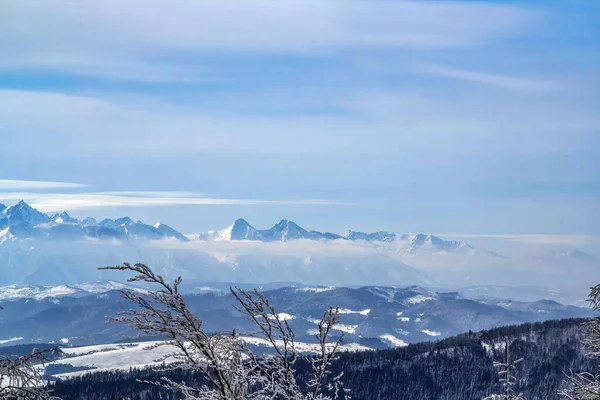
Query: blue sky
point(465, 117)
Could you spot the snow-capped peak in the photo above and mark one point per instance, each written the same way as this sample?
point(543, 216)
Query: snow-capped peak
point(123, 221)
point(285, 230)
point(64, 218)
point(21, 221)
point(22, 214)
point(169, 232)
point(239, 230)
point(429, 243)
point(6, 235)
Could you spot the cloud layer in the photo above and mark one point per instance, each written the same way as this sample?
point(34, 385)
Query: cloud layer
point(48, 202)
point(424, 115)
point(502, 81)
point(8, 184)
point(103, 39)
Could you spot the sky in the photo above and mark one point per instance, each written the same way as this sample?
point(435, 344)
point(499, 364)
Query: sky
point(472, 117)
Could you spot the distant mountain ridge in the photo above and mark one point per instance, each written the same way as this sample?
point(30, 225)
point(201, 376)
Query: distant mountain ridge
point(286, 230)
point(282, 231)
point(21, 221)
point(372, 316)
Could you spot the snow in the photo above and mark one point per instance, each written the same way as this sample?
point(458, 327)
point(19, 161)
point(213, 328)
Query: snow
point(315, 289)
point(417, 299)
point(348, 311)
point(394, 340)
point(14, 292)
point(340, 327)
point(345, 328)
point(430, 333)
point(64, 340)
point(306, 347)
point(114, 357)
point(122, 356)
point(283, 316)
point(404, 319)
point(208, 289)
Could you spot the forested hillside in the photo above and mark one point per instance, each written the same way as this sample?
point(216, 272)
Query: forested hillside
point(456, 368)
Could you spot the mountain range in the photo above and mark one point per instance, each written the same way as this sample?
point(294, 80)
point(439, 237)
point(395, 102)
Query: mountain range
point(371, 316)
point(21, 221)
point(41, 249)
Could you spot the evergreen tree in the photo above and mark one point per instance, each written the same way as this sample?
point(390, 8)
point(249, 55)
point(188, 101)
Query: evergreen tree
point(586, 385)
point(508, 380)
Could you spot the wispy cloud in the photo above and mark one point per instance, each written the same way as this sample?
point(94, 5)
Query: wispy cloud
point(9, 184)
point(48, 202)
point(502, 81)
point(112, 127)
point(88, 37)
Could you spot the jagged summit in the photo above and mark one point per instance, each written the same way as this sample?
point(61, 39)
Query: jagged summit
point(286, 230)
point(123, 221)
point(428, 243)
point(169, 232)
point(63, 218)
point(379, 236)
point(239, 230)
point(21, 221)
point(89, 221)
point(22, 214)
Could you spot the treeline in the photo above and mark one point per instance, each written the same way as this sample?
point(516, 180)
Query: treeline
point(457, 368)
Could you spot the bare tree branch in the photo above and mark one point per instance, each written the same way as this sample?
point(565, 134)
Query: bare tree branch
point(21, 377)
point(232, 371)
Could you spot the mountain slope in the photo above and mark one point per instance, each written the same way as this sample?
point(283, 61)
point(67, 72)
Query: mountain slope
point(456, 368)
point(372, 316)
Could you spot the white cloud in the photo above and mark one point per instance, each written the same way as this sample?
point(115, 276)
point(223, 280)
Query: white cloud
point(108, 38)
point(49, 202)
point(9, 184)
point(86, 125)
point(502, 81)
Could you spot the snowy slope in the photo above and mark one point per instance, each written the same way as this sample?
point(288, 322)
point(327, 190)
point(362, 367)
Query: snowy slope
point(122, 356)
point(368, 313)
point(14, 292)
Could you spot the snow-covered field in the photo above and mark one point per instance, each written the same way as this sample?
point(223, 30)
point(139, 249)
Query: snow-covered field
point(394, 340)
point(122, 356)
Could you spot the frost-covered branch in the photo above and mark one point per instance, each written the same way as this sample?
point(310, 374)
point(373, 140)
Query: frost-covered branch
point(582, 386)
point(231, 370)
point(586, 386)
point(21, 378)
